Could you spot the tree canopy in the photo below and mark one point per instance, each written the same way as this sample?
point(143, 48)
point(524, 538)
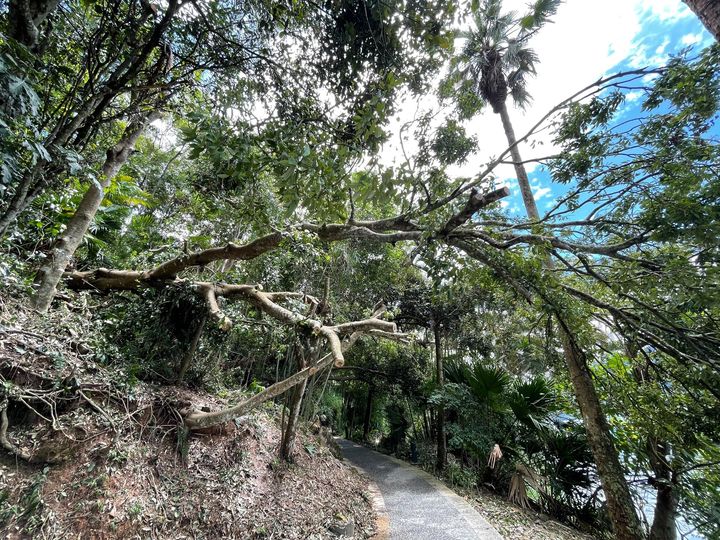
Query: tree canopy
point(209, 176)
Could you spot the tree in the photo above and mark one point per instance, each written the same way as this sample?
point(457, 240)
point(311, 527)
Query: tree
point(26, 17)
point(157, 56)
point(708, 12)
point(496, 62)
point(434, 307)
point(494, 65)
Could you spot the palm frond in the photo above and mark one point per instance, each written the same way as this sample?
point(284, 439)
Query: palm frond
point(540, 13)
point(456, 372)
point(532, 403)
point(487, 383)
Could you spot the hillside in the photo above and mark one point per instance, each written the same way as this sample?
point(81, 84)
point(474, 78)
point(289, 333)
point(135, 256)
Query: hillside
point(108, 458)
point(479, 236)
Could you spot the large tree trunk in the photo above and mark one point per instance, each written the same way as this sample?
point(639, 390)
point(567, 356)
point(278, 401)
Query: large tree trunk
point(663, 525)
point(620, 505)
point(64, 248)
point(441, 441)
point(708, 11)
point(368, 412)
point(522, 177)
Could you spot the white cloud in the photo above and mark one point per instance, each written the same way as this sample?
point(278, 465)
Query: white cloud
point(691, 39)
point(661, 48)
point(666, 10)
point(541, 192)
point(586, 41)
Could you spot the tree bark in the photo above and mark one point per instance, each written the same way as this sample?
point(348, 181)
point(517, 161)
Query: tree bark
point(522, 178)
point(287, 444)
point(368, 412)
point(708, 11)
point(288, 441)
point(664, 525)
point(17, 204)
point(190, 353)
point(64, 248)
point(441, 441)
point(620, 505)
point(25, 18)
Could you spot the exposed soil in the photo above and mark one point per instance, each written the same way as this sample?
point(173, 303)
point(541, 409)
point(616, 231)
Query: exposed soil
point(113, 461)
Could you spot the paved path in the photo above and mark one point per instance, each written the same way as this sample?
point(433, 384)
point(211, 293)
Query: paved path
point(418, 505)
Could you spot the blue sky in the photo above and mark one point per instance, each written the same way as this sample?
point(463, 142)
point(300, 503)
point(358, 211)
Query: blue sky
point(585, 41)
point(648, 41)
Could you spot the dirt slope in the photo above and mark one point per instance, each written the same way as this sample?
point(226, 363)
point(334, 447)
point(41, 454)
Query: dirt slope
point(110, 459)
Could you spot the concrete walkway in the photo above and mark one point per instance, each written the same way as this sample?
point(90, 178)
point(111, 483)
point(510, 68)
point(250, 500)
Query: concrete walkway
point(419, 506)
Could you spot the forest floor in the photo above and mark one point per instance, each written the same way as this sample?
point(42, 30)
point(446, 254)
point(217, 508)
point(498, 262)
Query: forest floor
point(515, 523)
point(111, 459)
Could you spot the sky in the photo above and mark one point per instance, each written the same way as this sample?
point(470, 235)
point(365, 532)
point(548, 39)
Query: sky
point(587, 39)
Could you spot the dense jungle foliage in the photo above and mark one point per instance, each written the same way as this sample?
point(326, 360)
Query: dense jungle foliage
point(207, 179)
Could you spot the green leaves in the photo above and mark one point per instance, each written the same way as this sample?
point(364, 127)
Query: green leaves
point(532, 402)
point(540, 14)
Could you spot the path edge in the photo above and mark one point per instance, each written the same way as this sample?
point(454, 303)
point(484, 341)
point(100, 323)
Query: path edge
point(471, 515)
point(377, 502)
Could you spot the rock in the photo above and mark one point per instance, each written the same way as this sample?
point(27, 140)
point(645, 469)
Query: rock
point(344, 528)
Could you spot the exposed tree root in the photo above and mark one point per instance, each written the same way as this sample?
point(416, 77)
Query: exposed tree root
point(4, 441)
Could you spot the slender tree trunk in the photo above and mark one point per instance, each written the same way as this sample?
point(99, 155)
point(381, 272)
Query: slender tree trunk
point(708, 11)
point(351, 424)
point(190, 353)
point(64, 248)
point(621, 507)
point(522, 177)
point(441, 441)
point(288, 440)
point(664, 525)
point(368, 412)
point(17, 204)
point(287, 443)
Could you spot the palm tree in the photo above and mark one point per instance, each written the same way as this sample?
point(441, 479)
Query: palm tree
point(496, 62)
